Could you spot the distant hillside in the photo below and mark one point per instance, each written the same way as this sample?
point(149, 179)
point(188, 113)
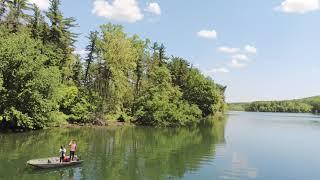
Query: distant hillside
point(304, 105)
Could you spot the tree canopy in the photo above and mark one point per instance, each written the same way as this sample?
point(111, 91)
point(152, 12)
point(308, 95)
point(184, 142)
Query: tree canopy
point(44, 83)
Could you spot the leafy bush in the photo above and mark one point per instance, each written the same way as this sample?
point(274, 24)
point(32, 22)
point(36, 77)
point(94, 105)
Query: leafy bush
point(26, 84)
point(162, 104)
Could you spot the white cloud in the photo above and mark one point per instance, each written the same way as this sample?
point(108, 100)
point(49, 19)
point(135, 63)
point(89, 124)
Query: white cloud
point(208, 34)
point(250, 49)
point(241, 57)
point(42, 4)
point(299, 6)
point(154, 8)
point(121, 10)
point(228, 50)
point(236, 64)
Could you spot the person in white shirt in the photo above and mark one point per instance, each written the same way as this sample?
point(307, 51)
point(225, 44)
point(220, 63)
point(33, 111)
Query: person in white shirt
point(62, 153)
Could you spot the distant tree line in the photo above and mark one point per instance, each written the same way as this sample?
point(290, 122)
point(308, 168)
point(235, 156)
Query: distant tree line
point(281, 106)
point(43, 83)
point(305, 105)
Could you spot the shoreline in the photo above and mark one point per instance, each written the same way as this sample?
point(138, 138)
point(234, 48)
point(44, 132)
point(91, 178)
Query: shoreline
point(111, 124)
point(105, 124)
point(95, 124)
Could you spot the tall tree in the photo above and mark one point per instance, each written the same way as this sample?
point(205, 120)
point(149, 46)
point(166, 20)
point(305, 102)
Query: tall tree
point(153, 60)
point(37, 22)
point(62, 37)
point(16, 14)
point(77, 71)
point(60, 26)
point(140, 56)
point(119, 62)
point(55, 16)
point(92, 49)
point(155, 51)
point(162, 55)
point(179, 69)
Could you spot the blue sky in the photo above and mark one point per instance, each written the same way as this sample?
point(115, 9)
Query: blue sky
point(262, 50)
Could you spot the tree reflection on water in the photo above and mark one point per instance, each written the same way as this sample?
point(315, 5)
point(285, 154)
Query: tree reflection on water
point(115, 153)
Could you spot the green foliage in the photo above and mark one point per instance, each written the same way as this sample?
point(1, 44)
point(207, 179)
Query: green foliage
point(27, 85)
point(92, 49)
point(180, 71)
point(77, 71)
point(306, 105)
point(279, 106)
point(162, 104)
point(16, 14)
point(61, 38)
point(18, 119)
point(236, 106)
point(118, 117)
point(119, 61)
point(81, 111)
point(203, 92)
point(32, 66)
point(314, 102)
point(37, 23)
point(74, 104)
point(56, 118)
point(196, 88)
point(67, 98)
point(43, 83)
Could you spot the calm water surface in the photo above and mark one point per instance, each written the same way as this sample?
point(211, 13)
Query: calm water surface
point(241, 146)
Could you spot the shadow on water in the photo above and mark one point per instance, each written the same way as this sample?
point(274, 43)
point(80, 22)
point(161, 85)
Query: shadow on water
point(114, 153)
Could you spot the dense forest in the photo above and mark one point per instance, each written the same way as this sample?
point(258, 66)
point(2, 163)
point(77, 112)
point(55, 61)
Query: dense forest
point(305, 105)
point(44, 83)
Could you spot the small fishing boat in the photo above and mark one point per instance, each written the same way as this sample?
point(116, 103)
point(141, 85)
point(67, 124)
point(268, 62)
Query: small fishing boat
point(52, 162)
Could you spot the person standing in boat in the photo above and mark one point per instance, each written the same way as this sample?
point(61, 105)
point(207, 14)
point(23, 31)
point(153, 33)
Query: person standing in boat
point(73, 148)
point(62, 153)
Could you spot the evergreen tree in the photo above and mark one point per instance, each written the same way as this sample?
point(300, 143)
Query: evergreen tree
point(55, 16)
point(155, 52)
point(17, 16)
point(180, 71)
point(162, 55)
point(62, 37)
point(77, 72)
point(37, 23)
point(92, 49)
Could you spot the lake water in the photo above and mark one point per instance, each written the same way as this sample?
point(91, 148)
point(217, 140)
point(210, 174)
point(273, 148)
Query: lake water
point(240, 146)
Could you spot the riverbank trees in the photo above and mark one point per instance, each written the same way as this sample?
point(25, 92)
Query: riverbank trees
point(279, 106)
point(305, 105)
point(43, 82)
